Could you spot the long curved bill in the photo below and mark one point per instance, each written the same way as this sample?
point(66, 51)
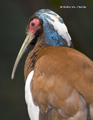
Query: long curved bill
point(28, 39)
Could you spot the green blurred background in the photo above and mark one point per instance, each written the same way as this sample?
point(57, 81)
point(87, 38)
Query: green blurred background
point(14, 15)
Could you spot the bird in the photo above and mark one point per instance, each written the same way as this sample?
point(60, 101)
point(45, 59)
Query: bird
point(58, 78)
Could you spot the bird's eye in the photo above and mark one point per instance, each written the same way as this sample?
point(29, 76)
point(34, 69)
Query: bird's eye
point(33, 24)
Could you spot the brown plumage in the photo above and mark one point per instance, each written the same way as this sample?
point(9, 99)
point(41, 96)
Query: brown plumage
point(62, 84)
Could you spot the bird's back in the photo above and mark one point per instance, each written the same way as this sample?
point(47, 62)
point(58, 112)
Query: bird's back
point(61, 76)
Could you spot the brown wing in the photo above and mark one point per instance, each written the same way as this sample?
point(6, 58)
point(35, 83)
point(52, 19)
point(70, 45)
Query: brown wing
point(61, 75)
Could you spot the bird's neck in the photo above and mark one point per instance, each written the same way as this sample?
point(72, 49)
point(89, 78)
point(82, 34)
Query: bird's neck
point(31, 58)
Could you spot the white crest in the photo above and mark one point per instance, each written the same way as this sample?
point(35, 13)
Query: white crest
point(58, 26)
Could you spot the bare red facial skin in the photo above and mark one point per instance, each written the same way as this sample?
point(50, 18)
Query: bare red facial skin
point(33, 26)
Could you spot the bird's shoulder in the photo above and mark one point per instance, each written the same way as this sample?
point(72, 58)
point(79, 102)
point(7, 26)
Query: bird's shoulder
point(61, 58)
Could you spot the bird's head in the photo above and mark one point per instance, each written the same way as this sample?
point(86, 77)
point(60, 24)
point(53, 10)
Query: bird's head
point(47, 22)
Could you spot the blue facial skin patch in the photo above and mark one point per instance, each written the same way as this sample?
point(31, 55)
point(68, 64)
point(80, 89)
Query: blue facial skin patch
point(52, 38)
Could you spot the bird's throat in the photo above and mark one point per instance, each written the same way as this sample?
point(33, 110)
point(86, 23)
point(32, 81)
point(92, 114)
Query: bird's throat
point(31, 58)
